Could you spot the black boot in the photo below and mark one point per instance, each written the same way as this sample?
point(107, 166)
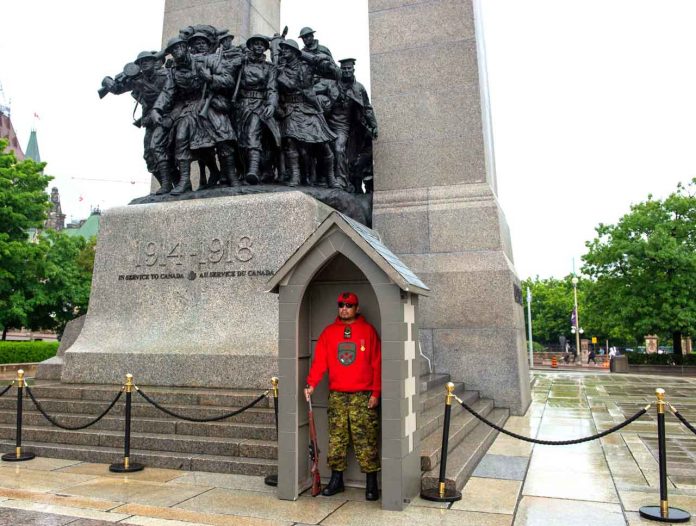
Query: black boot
point(228, 170)
point(371, 489)
point(252, 175)
point(328, 166)
point(165, 178)
point(292, 160)
point(184, 184)
point(335, 485)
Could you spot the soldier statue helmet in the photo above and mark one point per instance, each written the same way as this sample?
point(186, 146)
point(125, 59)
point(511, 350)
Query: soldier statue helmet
point(173, 42)
point(291, 44)
point(306, 31)
point(145, 55)
point(257, 38)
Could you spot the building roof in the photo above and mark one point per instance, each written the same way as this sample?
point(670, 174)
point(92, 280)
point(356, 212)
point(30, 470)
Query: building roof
point(88, 229)
point(368, 240)
point(7, 131)
point(33, 148)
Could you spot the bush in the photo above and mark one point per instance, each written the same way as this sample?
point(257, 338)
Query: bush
point(536, 346)
point(27, 352)
point(660, 359)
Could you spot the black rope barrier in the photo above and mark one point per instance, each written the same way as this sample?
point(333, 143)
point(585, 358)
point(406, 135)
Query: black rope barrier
point(127, 466)
point(556, 442)
point(19, 455)
point(53, 421)
point(6, 389)
point(193, 419)
point(682, 419)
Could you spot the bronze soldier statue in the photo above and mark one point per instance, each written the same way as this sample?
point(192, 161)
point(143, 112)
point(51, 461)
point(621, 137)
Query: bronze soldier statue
point(145, 84)
point(352, 119)
point(257, 103)
point(302, 121)
point(311, 44)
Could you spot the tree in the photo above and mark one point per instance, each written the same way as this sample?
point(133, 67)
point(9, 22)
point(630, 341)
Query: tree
point(66, 270)
point(23, 207)
point(552, 305)
point(644, 268)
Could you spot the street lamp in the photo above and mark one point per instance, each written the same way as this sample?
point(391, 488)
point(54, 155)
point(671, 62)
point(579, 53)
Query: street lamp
point(576, 329)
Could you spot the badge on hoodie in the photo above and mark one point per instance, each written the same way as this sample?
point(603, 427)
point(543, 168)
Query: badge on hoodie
point(346, 353)
point(346, 332)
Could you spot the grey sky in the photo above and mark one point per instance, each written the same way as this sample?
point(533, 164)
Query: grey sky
point(593, 102)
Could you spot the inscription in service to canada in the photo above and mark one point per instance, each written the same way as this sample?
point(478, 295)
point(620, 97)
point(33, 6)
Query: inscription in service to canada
point(156, 260)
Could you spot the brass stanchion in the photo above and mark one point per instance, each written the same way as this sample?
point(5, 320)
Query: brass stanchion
point(272, 479)
point(441, 493)
point(19, 455)
point(663, 513)
point(127, 466)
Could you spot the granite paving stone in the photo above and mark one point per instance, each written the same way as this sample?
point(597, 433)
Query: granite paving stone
point(262, 505)
point(502, 467)
point(102, 470)
point(489, 496)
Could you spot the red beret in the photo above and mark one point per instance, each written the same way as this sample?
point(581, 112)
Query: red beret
point(348, 297)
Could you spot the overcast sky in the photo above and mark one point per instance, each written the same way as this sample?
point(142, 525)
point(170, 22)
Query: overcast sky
point(593, 102)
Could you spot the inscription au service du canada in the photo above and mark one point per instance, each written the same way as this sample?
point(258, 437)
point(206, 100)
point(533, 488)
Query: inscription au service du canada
point(203, 258)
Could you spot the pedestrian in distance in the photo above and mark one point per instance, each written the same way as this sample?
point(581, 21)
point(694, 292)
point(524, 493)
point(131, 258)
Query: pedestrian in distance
point(350, 350)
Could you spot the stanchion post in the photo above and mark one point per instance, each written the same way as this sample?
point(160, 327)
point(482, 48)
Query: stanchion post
point(441, 493)
point(127, 466)
point(663, 513)
point(272, 479)
point(19, 455)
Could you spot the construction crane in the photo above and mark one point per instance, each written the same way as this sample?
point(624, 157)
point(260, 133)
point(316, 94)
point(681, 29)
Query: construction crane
point(124, 181)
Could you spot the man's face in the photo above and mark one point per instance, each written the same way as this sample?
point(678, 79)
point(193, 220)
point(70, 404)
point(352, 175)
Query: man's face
point(147, 65)
point(308, 39)
point(347, 71)
point(287, 53)
point(347, 311)
point(257, 47)
point(179, 51)
point(226, 44)
point(198, 45)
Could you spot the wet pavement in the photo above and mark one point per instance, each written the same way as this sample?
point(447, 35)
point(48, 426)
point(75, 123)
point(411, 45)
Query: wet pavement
point(603, 482)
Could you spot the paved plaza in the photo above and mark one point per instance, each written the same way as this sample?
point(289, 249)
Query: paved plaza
point(598, 483)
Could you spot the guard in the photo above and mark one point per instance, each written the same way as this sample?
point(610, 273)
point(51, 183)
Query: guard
point(350, 350)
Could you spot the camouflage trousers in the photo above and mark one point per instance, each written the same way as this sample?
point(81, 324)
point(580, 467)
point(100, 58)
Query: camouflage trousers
point(349, 418)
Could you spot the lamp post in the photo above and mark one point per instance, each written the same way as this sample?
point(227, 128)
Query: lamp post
point(576, 328)
point(529, 317)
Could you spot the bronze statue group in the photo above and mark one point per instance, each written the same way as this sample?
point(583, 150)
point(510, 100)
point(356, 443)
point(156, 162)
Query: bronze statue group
point(296, 119)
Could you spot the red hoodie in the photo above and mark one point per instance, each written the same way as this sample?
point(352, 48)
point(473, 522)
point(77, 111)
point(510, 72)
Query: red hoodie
point(354, 361)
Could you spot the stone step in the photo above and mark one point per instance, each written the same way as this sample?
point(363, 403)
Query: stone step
point(165, 395)
point(460, 426)
point(139, 408)
point(432, 381)
point(463, 459)
point(436, 396)
point(431, 420)
point(158, 459)
point(241, 447)
point(167, 425)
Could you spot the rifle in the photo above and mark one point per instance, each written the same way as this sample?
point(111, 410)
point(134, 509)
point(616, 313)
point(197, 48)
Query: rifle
point(209, 97)
point(313, 451)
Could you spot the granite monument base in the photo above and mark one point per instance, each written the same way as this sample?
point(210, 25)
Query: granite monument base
point(179, 291)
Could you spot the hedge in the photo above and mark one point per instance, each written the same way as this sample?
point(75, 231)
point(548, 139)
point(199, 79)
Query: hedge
point(27, 352)
point(661, 359)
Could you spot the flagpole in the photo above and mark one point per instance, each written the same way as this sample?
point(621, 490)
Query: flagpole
point(529, 317)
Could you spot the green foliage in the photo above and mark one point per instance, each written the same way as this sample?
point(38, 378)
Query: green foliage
point(45, 281)
point(27, 352)
point(64, 289)
point(661, 359)
point(536, 347)
point(552, 306)
point(644, 268)
point(23, 206)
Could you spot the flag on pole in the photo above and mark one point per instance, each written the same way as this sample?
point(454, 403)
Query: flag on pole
point(36, 116)
point(573, 318)
point(80, 199)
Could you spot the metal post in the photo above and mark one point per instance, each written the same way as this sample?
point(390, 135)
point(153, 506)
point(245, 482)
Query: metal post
point(529, 317)
point(663, 513)
point(272, 479)
point(127, 466)
point(19, 455)
point(441, 493)
point(577, 319)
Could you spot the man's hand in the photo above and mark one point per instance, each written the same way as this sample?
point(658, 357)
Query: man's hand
point(267, 112)
point(156, 117)
point(308, 392)
point(372, 402)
